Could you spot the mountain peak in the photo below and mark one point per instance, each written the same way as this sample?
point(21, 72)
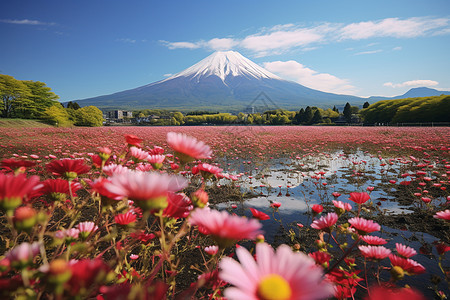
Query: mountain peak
point(223, 64)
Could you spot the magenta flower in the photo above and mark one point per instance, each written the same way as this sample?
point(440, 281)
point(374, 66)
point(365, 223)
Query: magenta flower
point(224, 228)
point(359, 198)
point(373, 240)
point(156, 160)
point(188, 148)
point(208, 170)
point(445, 215)
point(23, 254)
point(148, 190)
point(364, 226)
point(405, 251)
point(280, 274)
point(374, 252)
point(325, 222)
point(317, 208)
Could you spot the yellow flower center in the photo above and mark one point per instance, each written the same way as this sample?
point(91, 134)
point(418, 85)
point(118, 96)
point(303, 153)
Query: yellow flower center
point(274, 287)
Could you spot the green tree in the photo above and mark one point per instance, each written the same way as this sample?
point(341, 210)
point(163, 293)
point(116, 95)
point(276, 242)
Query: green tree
point(179, 117)
point(89, 116)
point(366, 104)
point(73, 105)
point(308, 115)
point(317, 118)
point(41, 97)
point(347, 112)
point(56, 115)
point(14, 96)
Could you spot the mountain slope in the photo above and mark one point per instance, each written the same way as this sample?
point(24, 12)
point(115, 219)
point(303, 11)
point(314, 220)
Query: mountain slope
point(413, 93)
point(224, 81)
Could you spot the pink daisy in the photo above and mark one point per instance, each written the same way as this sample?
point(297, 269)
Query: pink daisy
point(325, 222)
point(156, 160)
point(364, 226)
point(212, 250)
point(147, 190)
point(408, 265)
point(138, 153)
point(23, 254)
point(68, 234)
point(114, 169)
point(341, 207)
point(188, 148)
point(359, 198)
point(224, 228)
point(280, 274)
point(208, 170)
point(86, 228)
point(445, 215)
point(405, 251)
point(373, 240)
point(374, 252)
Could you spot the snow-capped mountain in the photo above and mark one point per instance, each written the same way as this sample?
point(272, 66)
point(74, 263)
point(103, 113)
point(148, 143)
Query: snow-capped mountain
point(223, 65)
point(224, 81)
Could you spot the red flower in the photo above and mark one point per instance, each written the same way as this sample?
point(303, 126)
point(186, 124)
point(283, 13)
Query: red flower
point(359, 198)
point(408, 265)
point(321, 258)
point(86, 274)
point(14, 188)
point(67, 168)
point(179, 206)
point(317, 208)
point(383, 293)
point(125, 219)
point(15, 164)
point(259, 214)
point(133, 140)
point(142, 236)
point(53, 187)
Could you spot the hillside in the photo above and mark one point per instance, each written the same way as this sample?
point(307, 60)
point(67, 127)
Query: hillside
point(19, 123)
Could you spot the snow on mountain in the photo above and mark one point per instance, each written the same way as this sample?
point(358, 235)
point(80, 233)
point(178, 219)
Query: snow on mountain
point(224, 64)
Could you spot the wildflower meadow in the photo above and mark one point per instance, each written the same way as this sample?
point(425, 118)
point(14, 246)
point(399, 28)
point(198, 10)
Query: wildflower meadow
point(237, 212)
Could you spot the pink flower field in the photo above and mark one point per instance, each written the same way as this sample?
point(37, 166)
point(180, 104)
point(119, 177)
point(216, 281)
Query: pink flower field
point(232, 212)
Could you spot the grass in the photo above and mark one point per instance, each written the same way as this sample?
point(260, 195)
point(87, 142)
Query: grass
point(19, 123)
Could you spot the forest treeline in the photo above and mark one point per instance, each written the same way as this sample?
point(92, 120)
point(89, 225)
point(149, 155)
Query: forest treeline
point(409, 110)
point(26, 99)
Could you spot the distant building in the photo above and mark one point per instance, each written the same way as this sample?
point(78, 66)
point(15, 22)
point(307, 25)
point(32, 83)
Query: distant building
point(119, 114)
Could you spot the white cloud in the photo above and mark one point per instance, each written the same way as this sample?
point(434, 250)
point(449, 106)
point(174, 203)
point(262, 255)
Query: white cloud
point(221, 44)
point(397, 48)
point(26, 22)
point(178, 45)
point(168, 75)
point(369, 52)
point(320, 81)
point(412, 83)
point(393, 27)
point(286, 37)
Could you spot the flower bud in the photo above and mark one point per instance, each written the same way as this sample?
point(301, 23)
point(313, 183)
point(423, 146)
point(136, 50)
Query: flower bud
point(24, 218)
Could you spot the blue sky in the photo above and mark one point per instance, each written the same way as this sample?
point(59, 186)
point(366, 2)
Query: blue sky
point(84, 48)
